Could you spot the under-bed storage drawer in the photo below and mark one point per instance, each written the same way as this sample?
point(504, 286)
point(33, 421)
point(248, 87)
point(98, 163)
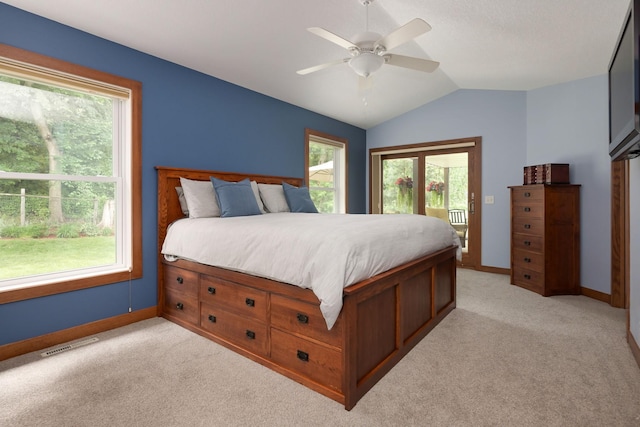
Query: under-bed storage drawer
point(319, 363)
point(241, 300)
point(181, 294)
point(181, 280)
point(247, 333)
point(181, 305)
point(305, 319)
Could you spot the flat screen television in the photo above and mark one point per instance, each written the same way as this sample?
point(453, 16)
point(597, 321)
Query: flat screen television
point(624, 89)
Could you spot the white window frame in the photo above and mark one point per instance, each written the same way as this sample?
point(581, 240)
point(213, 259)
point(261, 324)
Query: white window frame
point(339, 188)
point(126, 171)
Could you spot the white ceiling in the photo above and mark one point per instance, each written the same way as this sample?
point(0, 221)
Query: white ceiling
point(259, 44)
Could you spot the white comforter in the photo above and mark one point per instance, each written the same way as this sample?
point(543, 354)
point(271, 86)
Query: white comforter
point(323, 252)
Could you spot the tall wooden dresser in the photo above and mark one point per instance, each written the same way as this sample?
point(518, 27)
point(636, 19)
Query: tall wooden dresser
point(545, 238)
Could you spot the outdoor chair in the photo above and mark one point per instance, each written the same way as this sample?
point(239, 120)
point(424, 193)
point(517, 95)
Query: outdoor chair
point(458, 220)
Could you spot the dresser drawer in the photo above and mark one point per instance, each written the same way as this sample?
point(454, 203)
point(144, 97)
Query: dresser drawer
point(181, 305)
point(528, 209)
point(526, 242)
point(527, 193)
point(528, 260)
point(247, 333)
point(319, 363)
point(528, 279)
point(531, 226)
point(305, 319)
point(181, 280)
point(241, 300)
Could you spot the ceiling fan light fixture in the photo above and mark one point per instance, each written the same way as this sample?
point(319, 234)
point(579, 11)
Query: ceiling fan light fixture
point(366, 63)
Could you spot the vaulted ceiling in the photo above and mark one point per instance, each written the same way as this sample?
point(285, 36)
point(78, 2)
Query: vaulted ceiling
point(260, 44)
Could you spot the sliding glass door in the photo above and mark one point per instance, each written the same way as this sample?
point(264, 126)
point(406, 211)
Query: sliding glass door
point(436, 180)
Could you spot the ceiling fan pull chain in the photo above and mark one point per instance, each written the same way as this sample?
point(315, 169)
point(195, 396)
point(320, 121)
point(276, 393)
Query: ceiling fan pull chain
point(366, 5)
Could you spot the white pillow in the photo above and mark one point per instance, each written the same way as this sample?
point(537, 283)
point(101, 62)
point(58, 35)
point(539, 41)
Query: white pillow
point(273, 197)
point(256, 192)
point(200, 197)
point(183, 202)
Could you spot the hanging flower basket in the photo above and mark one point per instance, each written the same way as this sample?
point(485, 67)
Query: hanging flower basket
point(405, 193)
point(436, 192)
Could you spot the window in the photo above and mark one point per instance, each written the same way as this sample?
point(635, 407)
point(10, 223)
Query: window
point(70, 180)
point(327, 171)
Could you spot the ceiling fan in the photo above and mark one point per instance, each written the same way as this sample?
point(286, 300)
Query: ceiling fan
point(369, 50)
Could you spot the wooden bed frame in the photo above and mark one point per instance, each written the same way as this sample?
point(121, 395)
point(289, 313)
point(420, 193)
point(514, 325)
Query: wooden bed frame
point(281, 327)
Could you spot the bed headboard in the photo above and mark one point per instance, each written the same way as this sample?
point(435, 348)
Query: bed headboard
point(169, 178)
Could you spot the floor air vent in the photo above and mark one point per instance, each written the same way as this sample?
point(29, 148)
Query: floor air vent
point(68, 347)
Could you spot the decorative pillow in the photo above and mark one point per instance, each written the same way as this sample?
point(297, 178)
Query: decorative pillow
point(183, 202)
point(298, 199)
point(256, 192)
point(273, 197)
point(200, 197)
point(235, 198)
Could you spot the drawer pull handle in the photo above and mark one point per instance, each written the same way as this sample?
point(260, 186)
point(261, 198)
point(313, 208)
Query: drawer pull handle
point(527, 194)
point(180, 280)
point(250, 302)
point(527, 276)
point(303, 356)
point(212, 318)
point(527, 243)
point(302, 318)
point(211, 290)
point(527, 259)
point(527, 226)
point(180, 306)
point(251, 334)
point(527, 209)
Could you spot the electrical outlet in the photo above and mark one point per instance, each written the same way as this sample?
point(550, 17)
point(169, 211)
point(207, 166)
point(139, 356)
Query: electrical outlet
point(488, 200)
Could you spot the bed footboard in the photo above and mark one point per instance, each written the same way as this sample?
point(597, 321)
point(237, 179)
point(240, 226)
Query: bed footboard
point(388, 316)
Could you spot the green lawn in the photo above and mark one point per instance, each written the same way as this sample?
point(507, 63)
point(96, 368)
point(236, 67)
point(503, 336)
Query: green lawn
point(25, 257)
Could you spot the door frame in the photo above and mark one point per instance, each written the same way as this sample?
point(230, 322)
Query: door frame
point(473, 146)
point(620, 258)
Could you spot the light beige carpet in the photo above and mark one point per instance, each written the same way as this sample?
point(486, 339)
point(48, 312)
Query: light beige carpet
point(504, 357)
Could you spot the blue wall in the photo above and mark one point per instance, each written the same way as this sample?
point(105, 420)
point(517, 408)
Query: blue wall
point(189, 120)
point(569, 123)
point(564, 123)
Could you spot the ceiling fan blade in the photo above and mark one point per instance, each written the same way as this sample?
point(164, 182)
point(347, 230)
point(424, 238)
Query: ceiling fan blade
point(334, 38)
point(321, 66)
point(418, 64)
point(407, 32)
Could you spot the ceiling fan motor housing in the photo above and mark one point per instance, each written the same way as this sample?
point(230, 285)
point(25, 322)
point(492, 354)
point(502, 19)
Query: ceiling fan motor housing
point(366, 42)
point(366, 58)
